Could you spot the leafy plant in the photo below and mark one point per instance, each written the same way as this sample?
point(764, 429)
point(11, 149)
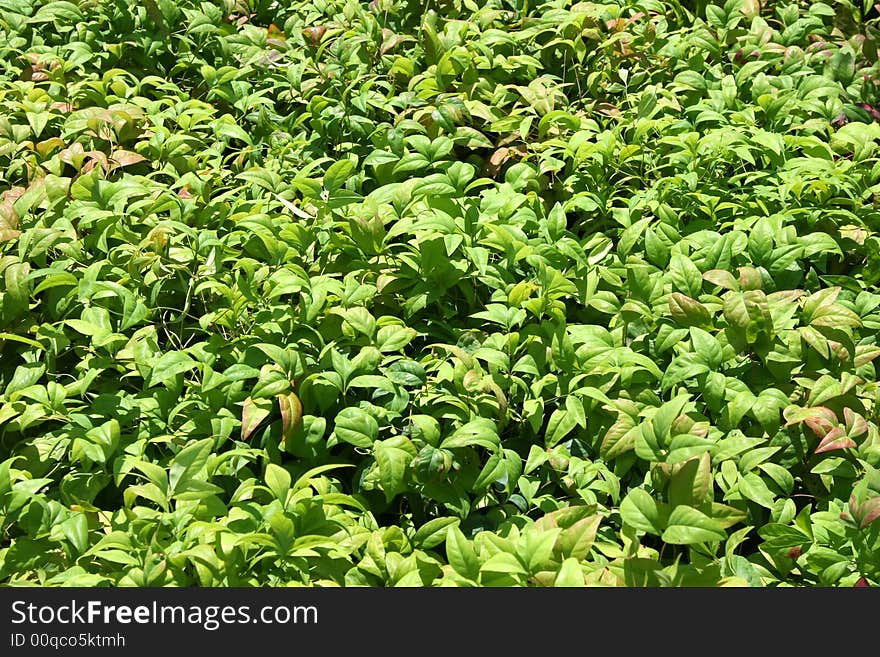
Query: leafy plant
point(330, 293)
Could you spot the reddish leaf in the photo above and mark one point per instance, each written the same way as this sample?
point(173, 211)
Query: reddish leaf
point(252, 415)
point(47, 146)
point(275, 32)
point(856, 425)
point(608, 109)
point(390, 41)
point(30, 74)
point(93, 159)
point(871, 110)
point(499, 157)
point(819, 418)
point(750, 278)
point(239, 18)
point(8, 218)
point(123, 158)
point(835, 439)
point(291, 414)
point(722, 278)
point(820, 425)
point(315, 34)
point(687, 311)
point(750, 8)
point(868, 512)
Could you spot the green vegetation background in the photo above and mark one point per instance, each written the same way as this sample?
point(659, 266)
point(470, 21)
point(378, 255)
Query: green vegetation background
point(456, 293)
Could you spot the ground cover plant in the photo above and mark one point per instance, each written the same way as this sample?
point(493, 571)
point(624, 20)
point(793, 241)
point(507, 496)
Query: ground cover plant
point(456, 293)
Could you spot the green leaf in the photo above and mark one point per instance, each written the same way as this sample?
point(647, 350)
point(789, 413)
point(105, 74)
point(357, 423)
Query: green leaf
point(76, 530)
point(754, 488)
point(681, 369)
point(461, 554)
point(685, 275)
point(503, 562)
point(560, 424)
point(394, 338)
point(577, 540)
point(434, 532)
point(781, 537)
point(482, 432)
point(708, 349)
point(361, 321)
point(189, 463)
point(493, 470)
point(749, 312)
point(278, 480)
point(687, 525)
point(736, 312)
point(60, 12)
point(356, 427)
point(620, 437)
point(664, 416)
point(393, 457)
point(575, 407)
point(538, 551)
point(692, 483)
point(169, 366)
point(15, 292)
point(640, 511)
point(727, 516)
point(306, 479)
point(570, 574)
point(272, 382)
point(337, 174)
point(824, 388)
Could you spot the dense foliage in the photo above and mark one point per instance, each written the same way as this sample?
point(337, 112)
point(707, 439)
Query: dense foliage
point(444, 293)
